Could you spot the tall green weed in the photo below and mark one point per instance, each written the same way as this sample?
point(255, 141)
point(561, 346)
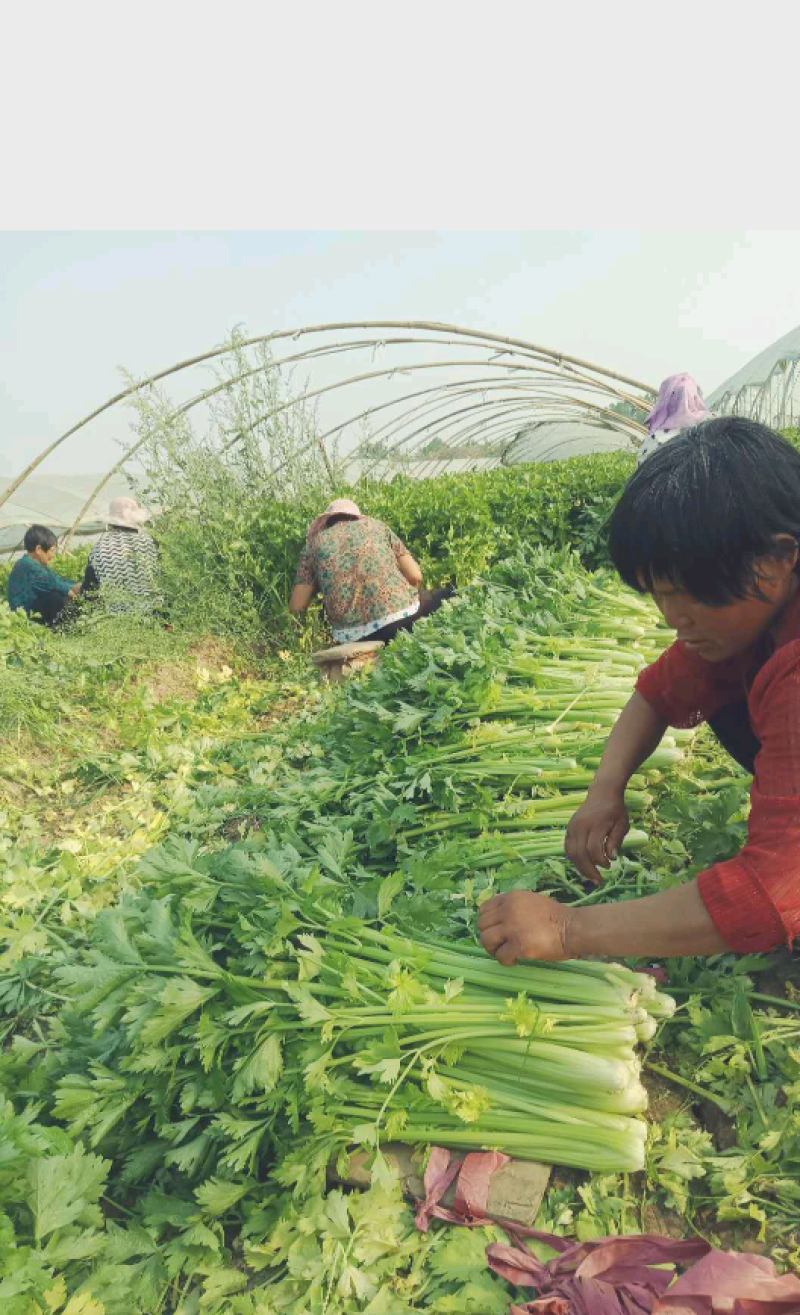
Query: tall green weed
point(232, 532)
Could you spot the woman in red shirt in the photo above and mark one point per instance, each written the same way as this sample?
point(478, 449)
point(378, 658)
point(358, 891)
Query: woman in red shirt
point(709, 526)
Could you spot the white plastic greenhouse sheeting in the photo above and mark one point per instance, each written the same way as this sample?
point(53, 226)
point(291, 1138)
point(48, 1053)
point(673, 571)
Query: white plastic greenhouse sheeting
point(554, 440)
point(757, 371)
point(767, 388)
point(386, 469)
point(56, 502)
point(550, 440)
point(12, 536)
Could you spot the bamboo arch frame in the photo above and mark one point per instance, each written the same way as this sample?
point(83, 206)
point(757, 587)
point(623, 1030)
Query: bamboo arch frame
point(475, 386)
point(618, 422)
point(578, 408)
point(538, 378)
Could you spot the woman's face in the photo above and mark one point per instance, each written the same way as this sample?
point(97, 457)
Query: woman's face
point(717, 633)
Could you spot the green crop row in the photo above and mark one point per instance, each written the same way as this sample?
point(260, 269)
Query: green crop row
point(230, 572)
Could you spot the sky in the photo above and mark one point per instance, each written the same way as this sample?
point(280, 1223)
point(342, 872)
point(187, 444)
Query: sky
point(75, 307)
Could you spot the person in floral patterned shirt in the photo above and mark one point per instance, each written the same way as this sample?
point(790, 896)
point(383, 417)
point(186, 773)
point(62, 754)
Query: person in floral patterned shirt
point(370, 583)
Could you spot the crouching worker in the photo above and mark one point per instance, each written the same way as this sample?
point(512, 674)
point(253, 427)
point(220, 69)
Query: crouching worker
point(370, 583)
point(123, 564)
point(34, 586)
point(709, 527)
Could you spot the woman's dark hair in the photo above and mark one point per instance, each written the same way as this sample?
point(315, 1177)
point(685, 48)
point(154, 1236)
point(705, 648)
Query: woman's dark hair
point(38, 536)
point(704, 507)
point(340, 516)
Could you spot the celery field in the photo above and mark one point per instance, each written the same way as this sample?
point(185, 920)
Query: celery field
point(238, 921)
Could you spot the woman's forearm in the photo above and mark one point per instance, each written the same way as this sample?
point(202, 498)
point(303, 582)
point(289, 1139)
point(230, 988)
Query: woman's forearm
point(638, 731)
point(674, 922)
point(410, 569)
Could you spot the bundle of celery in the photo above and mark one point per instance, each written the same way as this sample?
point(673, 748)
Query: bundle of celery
point(490, 850)
point(500, 761)
point(230, 1019)
point(433, 1044)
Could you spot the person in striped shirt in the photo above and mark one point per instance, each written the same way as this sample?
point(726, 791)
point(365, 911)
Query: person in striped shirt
point(123, 564)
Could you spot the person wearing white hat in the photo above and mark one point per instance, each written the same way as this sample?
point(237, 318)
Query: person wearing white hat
point(370, 583)
point(124, 561)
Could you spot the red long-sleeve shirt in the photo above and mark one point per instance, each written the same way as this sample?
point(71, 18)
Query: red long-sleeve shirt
point(753, 899)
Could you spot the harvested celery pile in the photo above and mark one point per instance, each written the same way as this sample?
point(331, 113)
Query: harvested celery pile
point(185, 1065)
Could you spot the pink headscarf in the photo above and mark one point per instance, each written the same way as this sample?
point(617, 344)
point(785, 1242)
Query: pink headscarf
point(339, 507)
point(679, 404)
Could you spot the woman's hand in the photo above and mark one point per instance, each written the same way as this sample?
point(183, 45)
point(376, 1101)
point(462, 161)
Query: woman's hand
point(597, 830)
point(523, 925)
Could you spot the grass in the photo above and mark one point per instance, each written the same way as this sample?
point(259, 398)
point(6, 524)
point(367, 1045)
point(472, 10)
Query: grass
point(106, 736)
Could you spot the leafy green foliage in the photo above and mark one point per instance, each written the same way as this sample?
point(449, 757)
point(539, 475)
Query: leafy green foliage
point(107, 763)
point(165, 1055)
point(457, 526)
point(241, 552)
point(230, 542)
point(50, 1220)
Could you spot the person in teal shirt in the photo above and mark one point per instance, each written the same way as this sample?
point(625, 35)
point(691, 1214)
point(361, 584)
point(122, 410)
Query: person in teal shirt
point(33, 586)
